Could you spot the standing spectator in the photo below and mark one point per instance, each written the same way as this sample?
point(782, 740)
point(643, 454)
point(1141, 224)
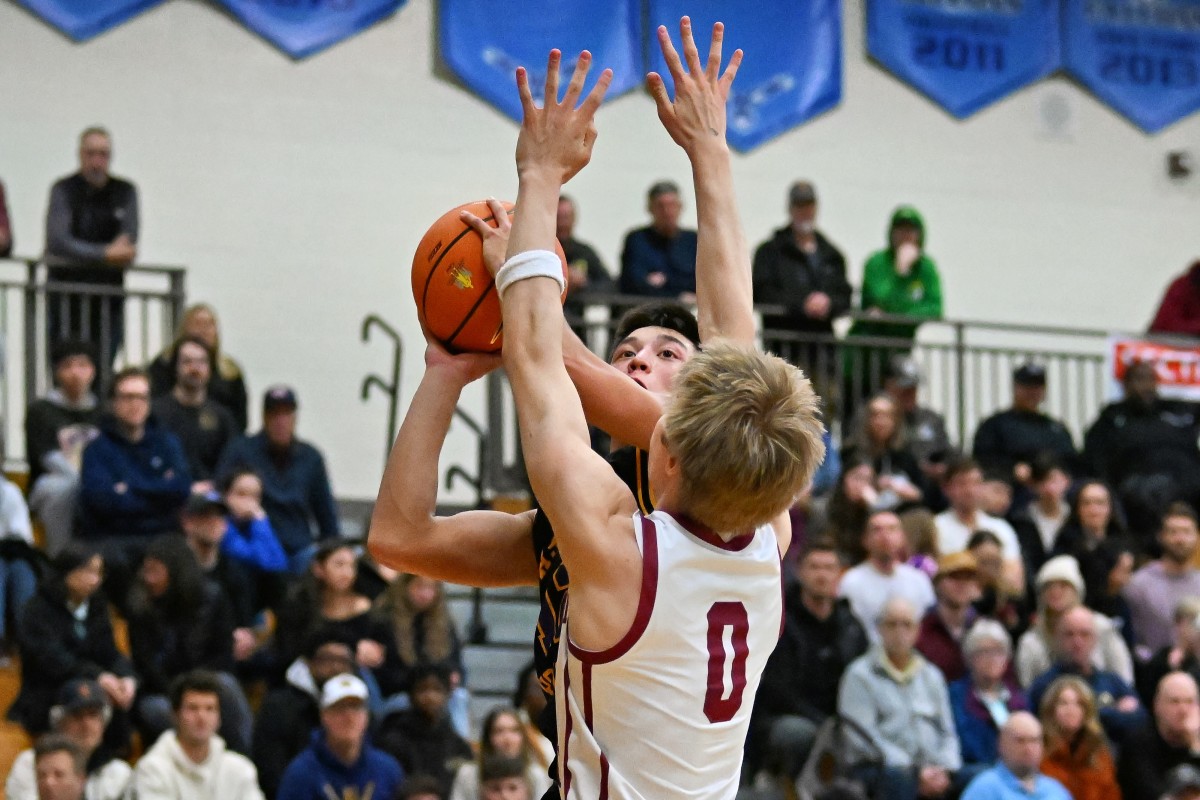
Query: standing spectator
point(501, 737)
point(1146, 448)
point(898, 478)
point(1075, 639)
point(61, 773)
point(296, 492)
point(18, 581)
point(985, 698)
point(660, 259)
point(422, 738)
point(802, 270)
point(66, 634)
point(1060, 589)
point(1155, 589)
point(81, 716)
point(1179, 312)
point(942, 635)
point(6, 237)
point(1010, 440)
point(57, 429)
point(963, 487)
point(1017, 776)
point(898, 700)
point(1163, 743)
point(191, 762)
point(1038, 522)
point(203, 426)
point(1095, 538)
point(1077, 753)
point(226, 385)
point(341, 762)
point(586, 274)
point(882, 575)
point(91, 237)
point(1182, 655)
point(799, 687)
point(134, 480)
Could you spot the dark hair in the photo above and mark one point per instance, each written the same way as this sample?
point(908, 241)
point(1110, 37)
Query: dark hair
point(671, 316)
point(208, 351)
point(818, 545)
point(497, 767)
point(1138, 366)
point(983, 537)
point(1116, 519)
point(126, 374)
point(200, 681)
point(660, 188)
point(959, 466)
point(526, 672)
point(1179, 509)
point(74, 554)
point(57, 743)
point(423, 672)
point(68, 348)
point(184, 597)
point(418, 785)
point(1044, 463)
point(326, 634)
point(241, 470)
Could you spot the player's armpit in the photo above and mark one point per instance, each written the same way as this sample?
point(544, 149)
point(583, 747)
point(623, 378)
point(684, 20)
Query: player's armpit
point(611, 401)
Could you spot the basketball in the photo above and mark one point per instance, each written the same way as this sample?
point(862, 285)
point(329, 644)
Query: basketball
point(454, 292)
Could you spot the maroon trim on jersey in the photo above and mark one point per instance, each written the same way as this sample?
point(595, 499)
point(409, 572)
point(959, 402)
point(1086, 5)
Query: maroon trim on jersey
point(565, 759)
point(782, 597)
point(587, 695)
point(645, 604)
point(706, 535)
point(603, 776)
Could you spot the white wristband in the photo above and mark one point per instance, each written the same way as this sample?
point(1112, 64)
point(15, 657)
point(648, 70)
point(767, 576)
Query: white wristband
point(530, 264)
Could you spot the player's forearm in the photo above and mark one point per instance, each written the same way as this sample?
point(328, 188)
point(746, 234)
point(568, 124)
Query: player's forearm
point(724, 290)
point(611, 401)
point(536, 211)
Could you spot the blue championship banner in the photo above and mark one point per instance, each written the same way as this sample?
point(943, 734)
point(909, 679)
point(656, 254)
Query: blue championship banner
point(303, 27)
point(83, 19)
point(1142, 57)
point(965, 54)
point(484, 42)
point(792, 69)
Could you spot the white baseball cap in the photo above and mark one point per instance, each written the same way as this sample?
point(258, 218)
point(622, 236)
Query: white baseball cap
point(343, 687)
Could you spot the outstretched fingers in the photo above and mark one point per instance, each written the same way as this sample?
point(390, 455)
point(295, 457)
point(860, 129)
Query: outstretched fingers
point(731, 72)
point(596, 96)
point(552, 64)
point(690, 52)
point(674, 65)
point(713, 70)
point(578, 77)
point(528, 107)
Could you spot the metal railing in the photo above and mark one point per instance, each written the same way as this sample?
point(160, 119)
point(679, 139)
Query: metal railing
point(148, 308)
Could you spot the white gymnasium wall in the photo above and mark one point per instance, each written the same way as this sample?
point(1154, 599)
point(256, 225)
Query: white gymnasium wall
point(296, 192)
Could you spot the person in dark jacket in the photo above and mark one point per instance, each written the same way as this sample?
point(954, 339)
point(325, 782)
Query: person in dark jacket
point(660, 259)
point(586, 273)
point(422, 738)
point(66, 633)
point(134, 480)
point(341, 762)
point(296, 491)
point(291, 713)
point(179, 622)
point(821, 636)
point(1179, 312)
point(1039, 522)
point(226, 384)
point(1171, 738)
point(1009, 441)
point(204, 426)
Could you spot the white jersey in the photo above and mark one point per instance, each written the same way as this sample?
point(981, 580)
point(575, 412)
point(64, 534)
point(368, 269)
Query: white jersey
point(664, 712)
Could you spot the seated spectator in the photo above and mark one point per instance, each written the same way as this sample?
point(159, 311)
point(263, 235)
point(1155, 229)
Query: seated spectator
point(943, 628)
point(134, 481)
point(1182, 655)
point(504, 778)
point(1011, 440)
point(1179, 311)
point(420, 787)
point(924, 428)
point(81, 716)
point(6, 237)
point(1171, 738)
point(1077, 754)
point(996, 495)
point(341, 762)
point(326, 596)
point(1183, 783)
point(1145, 447)
point(291, 713)
point(799, 687)
point(1060, 589)
point(422, 738)
point(179, 622)
point(1155, 589)
point(986, 697)
point(1095, 537)
point(249, 537)
point(225, 385)
point(59, 767)
point(57, 429)
point(920, 537)
point(1018, 774)
point(501, 737)
point(842, 517)
point(995, 600)
point(190, 761)
point(91, 236)
point(1038, 522)
point(203, 426)
point(18, 581)
point(66, 634)
point(898, 478)
point(1075, 640)
point(882, 575)
point(530, 701)
point(296, 489)
point(963, 486)
point(660, 259)
point(424, 634)
point(898, 700)
point(586, 274)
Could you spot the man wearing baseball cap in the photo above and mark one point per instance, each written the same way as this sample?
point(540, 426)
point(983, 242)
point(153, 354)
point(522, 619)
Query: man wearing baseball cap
point(944, 626)
point(81, 715)
point(341, 762)
point(296, 492)
point(1010, 440)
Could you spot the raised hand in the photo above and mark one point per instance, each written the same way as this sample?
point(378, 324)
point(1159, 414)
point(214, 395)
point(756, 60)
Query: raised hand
point(558, 137)
point(697, 117)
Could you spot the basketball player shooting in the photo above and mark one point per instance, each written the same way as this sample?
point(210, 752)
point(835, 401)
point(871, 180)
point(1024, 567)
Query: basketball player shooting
point(671, 616)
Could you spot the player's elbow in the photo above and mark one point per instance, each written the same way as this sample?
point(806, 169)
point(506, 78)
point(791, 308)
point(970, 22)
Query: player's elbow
point(396, 542)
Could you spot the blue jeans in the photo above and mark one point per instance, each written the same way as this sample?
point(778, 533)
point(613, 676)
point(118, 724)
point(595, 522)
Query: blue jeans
point(17, 585)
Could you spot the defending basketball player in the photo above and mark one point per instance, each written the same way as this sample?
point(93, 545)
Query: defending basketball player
point(652, 700)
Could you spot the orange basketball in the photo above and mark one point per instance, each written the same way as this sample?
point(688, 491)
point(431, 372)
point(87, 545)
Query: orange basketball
point(455, 295)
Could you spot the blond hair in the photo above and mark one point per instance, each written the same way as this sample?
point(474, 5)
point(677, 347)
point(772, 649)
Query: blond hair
point(746, 429)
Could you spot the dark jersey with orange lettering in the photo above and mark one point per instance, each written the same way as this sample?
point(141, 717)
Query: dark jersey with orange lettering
point(631, 466)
